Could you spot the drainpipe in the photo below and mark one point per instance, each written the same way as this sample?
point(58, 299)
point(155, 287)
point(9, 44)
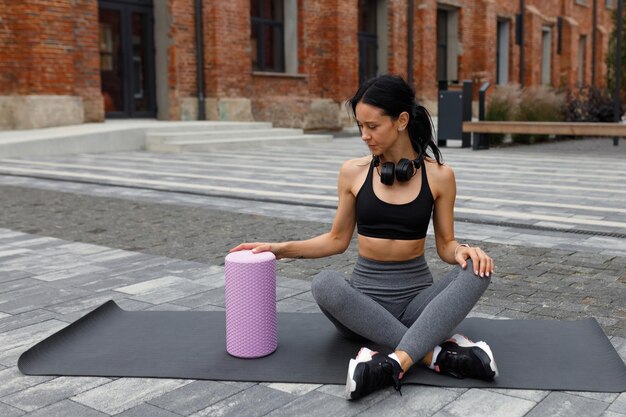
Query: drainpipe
point(522, 6)
point(200, 59)
point(618, 68)
point(409, 64)
point(594, 38)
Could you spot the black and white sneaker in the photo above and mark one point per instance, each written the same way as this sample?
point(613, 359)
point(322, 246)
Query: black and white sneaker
point(463, 358)
point(371, 371)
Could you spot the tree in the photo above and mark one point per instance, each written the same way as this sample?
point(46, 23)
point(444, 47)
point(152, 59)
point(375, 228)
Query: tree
point(611, 56)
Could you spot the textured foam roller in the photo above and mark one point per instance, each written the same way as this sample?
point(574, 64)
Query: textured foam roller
point(250, 304)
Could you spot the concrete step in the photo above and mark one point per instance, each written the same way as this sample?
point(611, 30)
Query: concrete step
point(200, 136)
point(234, 143)
point(193, 126)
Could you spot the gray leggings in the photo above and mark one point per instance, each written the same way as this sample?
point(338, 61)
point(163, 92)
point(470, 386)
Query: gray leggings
point(396, 304)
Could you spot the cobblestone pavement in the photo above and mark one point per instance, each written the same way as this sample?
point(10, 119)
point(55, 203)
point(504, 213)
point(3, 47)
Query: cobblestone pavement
point(76, 231)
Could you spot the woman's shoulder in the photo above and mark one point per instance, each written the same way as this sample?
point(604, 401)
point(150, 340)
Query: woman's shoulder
point(439, 173)
point(353, 171)
point(356, 165)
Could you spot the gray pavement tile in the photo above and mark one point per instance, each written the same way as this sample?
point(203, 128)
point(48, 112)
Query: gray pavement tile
point(305, 296)
point(294, 305)
point(12, 275)
point(12, 380)
point(415, 401)
point(612, 414)
point(252, 402)
point(238, 384)
point(194, 301)
point(29, 335)
point(619, 405)
point(531, 395)
point(619, 343)
point(125, 393)
point(293, 283)
point(19, 284)
point(132, 305)
point(12, 322)
point(162, 290)
point(286, 292)
point(295, 389)
point(50, 392)
point(81, 269)
point(13, 253)
point(319, 404)
point(35, 297)
point(146, 410)
point(66, 408)
point(607, 397)
point(216, 297)
point(167, 307)
point(80, 307)
point(209, 307)
point(8, 411)
point(194, 397)
point(479, 403)
point(562, 404)
point(102, 281)
point(79, 248)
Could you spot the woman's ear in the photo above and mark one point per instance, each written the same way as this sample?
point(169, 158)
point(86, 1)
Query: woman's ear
point(403, 120)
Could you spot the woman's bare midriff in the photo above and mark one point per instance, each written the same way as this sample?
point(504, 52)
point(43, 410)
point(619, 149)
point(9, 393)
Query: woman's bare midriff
point(388, 250)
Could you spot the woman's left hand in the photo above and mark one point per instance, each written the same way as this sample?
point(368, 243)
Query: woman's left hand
point(483, 264)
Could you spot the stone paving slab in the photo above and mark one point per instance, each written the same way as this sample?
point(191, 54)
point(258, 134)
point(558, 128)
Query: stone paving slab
point(66, 247)
point(39, 396)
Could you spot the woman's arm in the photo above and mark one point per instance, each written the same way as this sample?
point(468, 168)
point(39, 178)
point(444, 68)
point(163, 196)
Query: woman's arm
point(331, 243)
point(443, 184)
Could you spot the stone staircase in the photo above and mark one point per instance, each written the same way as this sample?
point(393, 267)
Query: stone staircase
point(209, 136)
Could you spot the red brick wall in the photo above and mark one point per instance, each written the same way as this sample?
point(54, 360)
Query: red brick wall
point(9, 57)
point(45, 53)
point(51, 47)
point(43, 49)
point(87, 59)
point(425, 44)
point(227, 48)
point(397, 34)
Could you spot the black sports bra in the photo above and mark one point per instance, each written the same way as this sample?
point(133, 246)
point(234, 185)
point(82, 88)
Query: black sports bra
point(377, 218)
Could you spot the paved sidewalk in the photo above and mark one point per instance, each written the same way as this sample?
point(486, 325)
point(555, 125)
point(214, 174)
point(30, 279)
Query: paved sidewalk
point(67, 247)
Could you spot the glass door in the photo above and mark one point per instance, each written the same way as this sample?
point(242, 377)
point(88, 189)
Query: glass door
point(127, 59)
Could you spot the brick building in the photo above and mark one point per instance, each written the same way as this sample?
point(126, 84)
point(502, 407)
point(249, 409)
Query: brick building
point(292, 62)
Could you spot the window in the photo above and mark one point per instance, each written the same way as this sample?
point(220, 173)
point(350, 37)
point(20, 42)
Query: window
point(546, 56)
point(368, 40)
point(502, 59)
point(267, 35)
point(610, 4)
point(447, 43)
point(582, 42)
point(442, 45)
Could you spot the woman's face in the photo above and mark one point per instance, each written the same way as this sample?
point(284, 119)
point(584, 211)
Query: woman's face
point(378, 130)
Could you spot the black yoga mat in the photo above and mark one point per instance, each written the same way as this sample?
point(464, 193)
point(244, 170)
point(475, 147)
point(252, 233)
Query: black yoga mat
point(530, 354)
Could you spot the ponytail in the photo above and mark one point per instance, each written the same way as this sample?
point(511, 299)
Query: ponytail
point(420, 129)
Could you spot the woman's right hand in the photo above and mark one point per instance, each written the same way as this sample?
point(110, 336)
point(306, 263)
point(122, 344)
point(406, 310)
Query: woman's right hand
point(257, 247)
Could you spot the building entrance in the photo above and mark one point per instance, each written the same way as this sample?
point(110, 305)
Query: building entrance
point(126, 42)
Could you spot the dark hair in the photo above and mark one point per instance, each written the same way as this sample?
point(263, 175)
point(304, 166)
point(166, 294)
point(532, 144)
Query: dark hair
point(393, 95)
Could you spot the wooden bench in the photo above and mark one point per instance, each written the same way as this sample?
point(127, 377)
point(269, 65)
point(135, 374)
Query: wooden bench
point(547, 128)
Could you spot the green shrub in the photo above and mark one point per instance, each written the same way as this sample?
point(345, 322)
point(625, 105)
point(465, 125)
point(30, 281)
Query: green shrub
point(538, 104)
point(501, 106)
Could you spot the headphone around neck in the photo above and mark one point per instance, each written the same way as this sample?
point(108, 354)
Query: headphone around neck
point(404, 171)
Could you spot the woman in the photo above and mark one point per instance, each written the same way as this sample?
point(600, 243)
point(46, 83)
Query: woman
point(390, 298)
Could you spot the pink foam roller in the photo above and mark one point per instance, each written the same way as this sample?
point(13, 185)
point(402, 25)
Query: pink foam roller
point(250, 304)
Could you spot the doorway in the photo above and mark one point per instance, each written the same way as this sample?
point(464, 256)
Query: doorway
point(126, 42)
